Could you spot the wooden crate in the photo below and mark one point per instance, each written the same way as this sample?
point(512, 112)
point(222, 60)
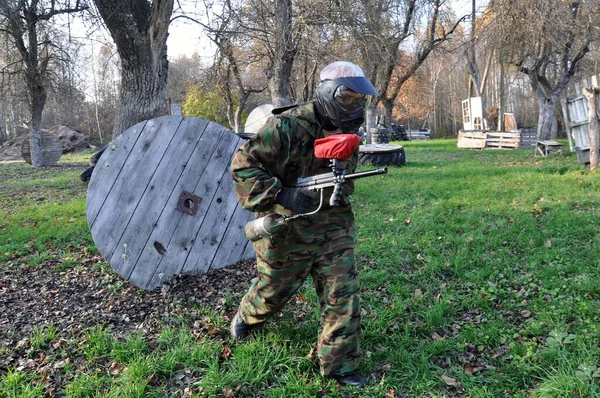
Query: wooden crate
point(583, 155)
point(471, 139)
point(502, 140)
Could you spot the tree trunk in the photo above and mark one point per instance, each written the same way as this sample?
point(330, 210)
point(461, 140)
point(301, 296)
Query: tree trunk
point(2, 123)
point(547, 126)
point(593, 127)
point(37, 94)
point(140, 30)
point(475, 82)
point(143, 88)
point(371, 114)
point(388, 106)
point(284, 53)
point(501, 104)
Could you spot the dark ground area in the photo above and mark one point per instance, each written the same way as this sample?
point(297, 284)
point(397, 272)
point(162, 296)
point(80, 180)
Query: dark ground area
point(75, 299)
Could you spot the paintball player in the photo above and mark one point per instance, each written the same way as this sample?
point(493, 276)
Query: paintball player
point(264, 171)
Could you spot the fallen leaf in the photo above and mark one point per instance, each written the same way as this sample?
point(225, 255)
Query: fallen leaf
point(226, 352)
point(300, 298)
point(436, 336)
point(228, 393)
point(115, 368)
point(450, 381)
point(212, 330)
point(407, 221)
point(472, 369)
point(390, 394)
point(526, 313)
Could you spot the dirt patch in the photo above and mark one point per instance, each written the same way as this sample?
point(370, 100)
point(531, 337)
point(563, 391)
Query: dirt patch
point(10, 151)
point(77, 299)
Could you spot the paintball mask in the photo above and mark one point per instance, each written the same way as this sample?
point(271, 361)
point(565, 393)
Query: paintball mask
point(342, 100)
point(341, 95)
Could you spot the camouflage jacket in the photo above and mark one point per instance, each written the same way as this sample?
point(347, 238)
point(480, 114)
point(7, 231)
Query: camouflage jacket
point(277, 156)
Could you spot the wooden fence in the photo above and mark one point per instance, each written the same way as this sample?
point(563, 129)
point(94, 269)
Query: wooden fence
point(575, 113)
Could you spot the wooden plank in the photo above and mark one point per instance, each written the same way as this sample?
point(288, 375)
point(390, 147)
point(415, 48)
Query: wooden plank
point(234, 244)
point(105, 176)
point(577, 110)
point(127, 191)
point(214, 228)
point(160, 187)
point(167, 223)
point(510, 122)
point(175, 231)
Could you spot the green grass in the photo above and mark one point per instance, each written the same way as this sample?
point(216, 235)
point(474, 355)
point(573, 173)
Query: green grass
point(477, 266)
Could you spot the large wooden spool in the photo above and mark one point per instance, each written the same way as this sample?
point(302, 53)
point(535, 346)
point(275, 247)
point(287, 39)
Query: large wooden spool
point(160, 201)
point(50, 145)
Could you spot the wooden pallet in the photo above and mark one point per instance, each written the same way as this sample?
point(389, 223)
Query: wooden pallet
point(471, 139)
point(502, 140)
point(528, 138)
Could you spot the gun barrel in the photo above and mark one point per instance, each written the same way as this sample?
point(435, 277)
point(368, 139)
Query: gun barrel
point(367, 173)
point(329, 179)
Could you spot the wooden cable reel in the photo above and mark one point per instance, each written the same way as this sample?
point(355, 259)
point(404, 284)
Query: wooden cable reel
point(50, 146)
point(161, 202)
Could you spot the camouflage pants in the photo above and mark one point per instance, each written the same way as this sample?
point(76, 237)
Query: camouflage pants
point(336, 281)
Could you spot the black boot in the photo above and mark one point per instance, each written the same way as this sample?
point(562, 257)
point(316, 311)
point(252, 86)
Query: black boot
point(353, 379)
point(239, 329)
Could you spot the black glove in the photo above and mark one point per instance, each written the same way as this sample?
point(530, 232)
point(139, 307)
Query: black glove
point(298, 200)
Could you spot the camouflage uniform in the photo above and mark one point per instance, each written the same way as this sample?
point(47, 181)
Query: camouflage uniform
point(321, 245)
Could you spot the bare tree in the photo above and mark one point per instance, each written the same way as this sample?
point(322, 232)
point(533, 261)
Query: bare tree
point(475, 84)
point(226, 29)
point(546, 40)
point(269, 27)
point(380, 28)
point(184, 71)
point(139, 29)
point(26, 22)
point(233, 83)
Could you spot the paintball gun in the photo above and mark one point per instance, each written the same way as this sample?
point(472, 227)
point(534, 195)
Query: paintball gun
point(336, 148)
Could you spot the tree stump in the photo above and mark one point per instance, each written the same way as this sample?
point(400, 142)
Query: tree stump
point(51, 149)
point(161, 201)
point(381, 155)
